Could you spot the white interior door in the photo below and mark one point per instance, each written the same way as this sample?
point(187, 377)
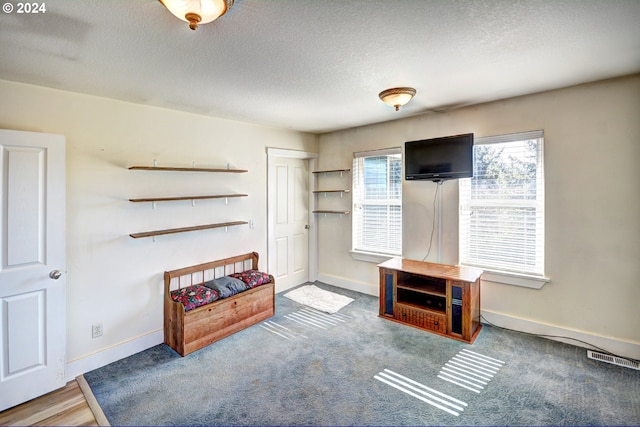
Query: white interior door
point(291, 228)
point(32, 265)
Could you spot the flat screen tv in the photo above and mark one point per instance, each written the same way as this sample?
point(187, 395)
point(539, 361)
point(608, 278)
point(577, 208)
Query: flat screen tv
point(437, 159)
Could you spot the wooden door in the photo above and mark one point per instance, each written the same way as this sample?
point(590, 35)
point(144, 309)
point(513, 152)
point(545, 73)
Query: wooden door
point(32, 265)
point(291, 222)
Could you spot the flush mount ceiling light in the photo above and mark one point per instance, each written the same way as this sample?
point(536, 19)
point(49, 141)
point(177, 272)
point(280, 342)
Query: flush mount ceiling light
point(197, 11)
point(397, 96)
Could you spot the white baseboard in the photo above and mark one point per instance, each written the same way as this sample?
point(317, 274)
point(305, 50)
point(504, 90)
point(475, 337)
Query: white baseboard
point(353, 285)
point(97, 360)
point(609, 344)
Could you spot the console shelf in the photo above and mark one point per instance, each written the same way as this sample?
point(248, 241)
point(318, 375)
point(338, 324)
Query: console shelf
point(422, 288)
point(439, 298)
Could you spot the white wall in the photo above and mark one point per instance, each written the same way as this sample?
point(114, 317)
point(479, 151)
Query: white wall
point(593, 232)
point(592, 169)
point(112, 278)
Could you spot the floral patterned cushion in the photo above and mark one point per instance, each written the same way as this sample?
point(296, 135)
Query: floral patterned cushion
point(253, 278)
point(194, 296)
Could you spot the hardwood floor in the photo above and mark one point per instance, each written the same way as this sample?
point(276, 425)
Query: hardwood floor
point(68, 406)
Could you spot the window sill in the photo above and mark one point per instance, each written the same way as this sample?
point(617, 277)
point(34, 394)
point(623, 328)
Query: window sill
point(533, 282)
point(370, 256)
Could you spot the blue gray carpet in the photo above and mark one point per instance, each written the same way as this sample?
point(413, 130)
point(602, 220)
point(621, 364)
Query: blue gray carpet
point(303, 367)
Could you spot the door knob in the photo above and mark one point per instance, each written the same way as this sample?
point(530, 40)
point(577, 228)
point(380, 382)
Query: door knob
point(55, 274)
point(307, 227)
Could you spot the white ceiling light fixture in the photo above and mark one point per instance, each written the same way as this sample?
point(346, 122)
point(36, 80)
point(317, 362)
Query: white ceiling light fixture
point(397, 96)
point(197, 11)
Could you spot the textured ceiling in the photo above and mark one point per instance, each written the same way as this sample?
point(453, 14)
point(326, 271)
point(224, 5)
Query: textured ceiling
point(318, 65)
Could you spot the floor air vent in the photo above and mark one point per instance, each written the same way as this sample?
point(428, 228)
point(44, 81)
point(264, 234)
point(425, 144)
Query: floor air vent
point(613, 360)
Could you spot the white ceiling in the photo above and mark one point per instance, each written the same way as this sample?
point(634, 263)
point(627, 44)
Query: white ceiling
point(318, 65)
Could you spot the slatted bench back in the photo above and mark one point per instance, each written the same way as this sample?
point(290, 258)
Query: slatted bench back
point(198, 274)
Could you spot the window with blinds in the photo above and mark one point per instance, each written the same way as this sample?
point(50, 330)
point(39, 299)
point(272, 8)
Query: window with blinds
point(377, 202)
point(502, 206)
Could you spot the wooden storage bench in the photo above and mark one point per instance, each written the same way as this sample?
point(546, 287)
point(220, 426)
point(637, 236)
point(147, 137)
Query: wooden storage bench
point(189, 330)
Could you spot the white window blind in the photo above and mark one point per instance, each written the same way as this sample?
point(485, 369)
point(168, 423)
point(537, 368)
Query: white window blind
point(502, 206)
point(377, 201)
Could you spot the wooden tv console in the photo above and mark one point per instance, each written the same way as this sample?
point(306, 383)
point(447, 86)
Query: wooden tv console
point(439, 298)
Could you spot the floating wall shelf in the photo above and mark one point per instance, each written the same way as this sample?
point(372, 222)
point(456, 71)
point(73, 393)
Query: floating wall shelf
point(157, 168)
point(331, 191)
point(185, 229)
point(170, 199)
point(342, 192)
point(153, 200)
point(332, 212)
point(333, 170)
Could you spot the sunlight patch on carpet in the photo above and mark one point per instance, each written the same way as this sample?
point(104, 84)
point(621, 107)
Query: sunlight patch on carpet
point(470, 370)
point(314, 297)
point(281, 331)
point(420, 391)
point(307, 319)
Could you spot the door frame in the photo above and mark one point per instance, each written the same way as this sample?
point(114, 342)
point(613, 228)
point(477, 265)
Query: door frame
point(272, 155)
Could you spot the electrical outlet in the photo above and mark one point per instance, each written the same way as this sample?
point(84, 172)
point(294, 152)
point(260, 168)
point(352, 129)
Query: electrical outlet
point(96, 330)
